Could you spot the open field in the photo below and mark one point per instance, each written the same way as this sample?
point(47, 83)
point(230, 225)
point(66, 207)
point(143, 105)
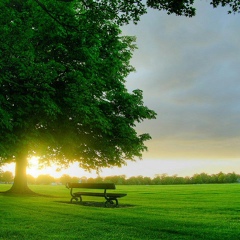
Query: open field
point(147, 212)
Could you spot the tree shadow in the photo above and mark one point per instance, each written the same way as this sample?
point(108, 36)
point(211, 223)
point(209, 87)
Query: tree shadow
point(13, 194)
point(25, 194)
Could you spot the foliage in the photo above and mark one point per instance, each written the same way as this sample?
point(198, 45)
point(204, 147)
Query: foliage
point(134, 9)
point(65, 178)
point(182, 212)
point(186, 7)
point(44, 179)
point(159, 179)
point(233, 4)
point(164, 179)
point(62, 73)
point(6, 177)
point(179, 7)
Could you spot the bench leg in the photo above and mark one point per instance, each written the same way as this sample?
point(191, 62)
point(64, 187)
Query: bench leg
point(110, 202)
point(76, 199)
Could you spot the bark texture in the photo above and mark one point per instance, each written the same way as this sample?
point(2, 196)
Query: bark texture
point(20, 181)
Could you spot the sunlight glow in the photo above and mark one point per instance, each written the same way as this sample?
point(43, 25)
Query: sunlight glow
point(148, 167)
point(73, 170)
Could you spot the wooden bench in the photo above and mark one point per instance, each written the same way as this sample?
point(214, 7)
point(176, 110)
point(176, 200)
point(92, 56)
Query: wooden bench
point(110, 197)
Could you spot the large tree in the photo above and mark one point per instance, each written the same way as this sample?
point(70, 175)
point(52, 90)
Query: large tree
point(62, 76)
point(63, 65)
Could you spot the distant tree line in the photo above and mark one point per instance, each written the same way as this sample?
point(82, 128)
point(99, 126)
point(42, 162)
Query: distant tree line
point(159, 179)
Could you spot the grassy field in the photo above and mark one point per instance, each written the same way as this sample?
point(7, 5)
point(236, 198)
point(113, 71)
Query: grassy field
point(147, 212)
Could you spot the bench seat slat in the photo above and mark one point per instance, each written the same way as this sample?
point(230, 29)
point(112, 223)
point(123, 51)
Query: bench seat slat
point(92, 185)
point(117, 195)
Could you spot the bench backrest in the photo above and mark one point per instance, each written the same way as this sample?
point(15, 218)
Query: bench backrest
point(91, 185)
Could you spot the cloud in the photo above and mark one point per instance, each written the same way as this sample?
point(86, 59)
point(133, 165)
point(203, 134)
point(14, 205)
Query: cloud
point(189, 72)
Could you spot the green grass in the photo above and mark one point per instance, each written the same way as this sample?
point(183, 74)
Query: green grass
point(147, 212)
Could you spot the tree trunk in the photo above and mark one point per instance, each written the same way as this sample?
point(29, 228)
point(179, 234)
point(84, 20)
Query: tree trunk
point(20, 180)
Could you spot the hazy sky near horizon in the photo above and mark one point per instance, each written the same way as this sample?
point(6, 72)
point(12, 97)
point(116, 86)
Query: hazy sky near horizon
point(189, 71)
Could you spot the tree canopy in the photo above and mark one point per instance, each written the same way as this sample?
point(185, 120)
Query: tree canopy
point(63, 97)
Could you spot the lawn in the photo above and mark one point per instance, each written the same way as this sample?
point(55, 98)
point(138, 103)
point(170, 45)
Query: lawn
point(147, 212)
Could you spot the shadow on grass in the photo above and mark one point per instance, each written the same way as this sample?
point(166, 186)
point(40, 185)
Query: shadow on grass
point(28, 194)
point(96, 204)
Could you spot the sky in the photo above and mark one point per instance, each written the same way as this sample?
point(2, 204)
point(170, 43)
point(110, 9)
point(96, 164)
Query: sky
point(188, 69)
